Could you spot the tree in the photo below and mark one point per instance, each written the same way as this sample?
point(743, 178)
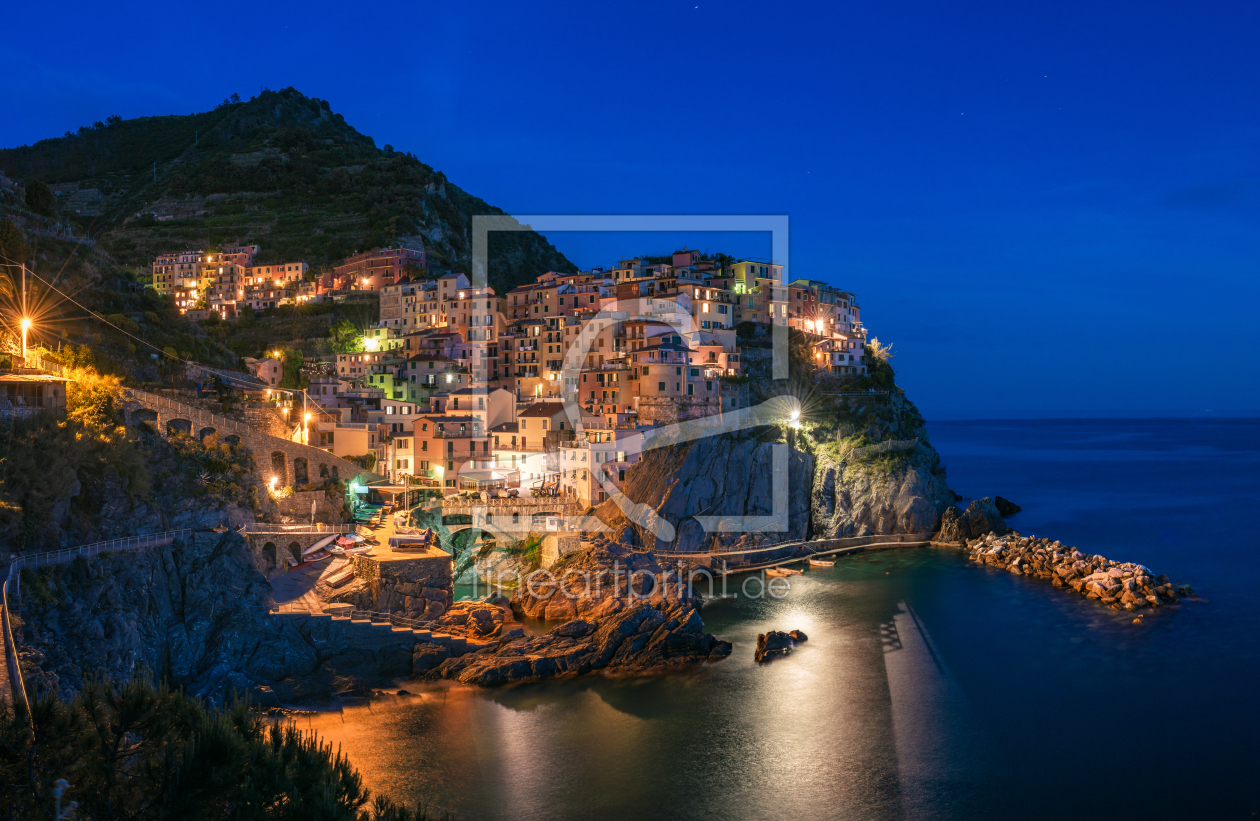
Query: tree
point(40, 199)
point(292, 363)
point(345, 337)
point(13, 252)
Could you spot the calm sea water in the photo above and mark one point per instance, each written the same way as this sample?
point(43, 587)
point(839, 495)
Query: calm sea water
point(930, 687)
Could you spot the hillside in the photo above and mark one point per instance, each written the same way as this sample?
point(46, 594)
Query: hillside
point(280, 170)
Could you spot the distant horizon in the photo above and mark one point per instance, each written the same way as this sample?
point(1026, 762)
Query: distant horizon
point(1102, 415)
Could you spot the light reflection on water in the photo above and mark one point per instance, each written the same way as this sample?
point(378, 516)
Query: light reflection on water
point(930, 687)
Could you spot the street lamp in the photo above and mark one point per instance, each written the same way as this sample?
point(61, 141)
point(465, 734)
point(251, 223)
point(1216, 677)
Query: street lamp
point(26, 325)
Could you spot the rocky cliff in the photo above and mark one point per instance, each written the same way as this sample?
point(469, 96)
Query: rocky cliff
point(859, 465)
point(728, 476)
point(195, 612)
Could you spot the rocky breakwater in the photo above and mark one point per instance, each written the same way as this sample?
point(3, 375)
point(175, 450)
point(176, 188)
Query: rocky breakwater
point(1122, 585)
point(621, 613)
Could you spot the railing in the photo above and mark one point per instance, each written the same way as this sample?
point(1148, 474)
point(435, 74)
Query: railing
point(17, 687)
point(296, 530)
point(836, 543)
point(70, 553)
point(458, 434)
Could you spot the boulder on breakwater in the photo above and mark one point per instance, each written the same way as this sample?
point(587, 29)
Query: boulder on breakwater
point(1119, 584)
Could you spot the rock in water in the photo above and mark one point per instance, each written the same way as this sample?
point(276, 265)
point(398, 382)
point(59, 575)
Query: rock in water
point(772, 645)
point(953, 529)
point(982, 517)
point(776, 643)
point(1006, 507)
point(621, 612)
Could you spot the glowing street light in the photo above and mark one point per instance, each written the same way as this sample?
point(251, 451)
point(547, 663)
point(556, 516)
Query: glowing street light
point(26, 326)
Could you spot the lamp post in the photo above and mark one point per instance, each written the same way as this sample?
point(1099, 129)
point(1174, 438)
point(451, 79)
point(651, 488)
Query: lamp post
point(26, 326)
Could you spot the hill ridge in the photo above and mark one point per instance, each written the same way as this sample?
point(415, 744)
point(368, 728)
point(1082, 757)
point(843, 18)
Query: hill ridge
point(282, 171)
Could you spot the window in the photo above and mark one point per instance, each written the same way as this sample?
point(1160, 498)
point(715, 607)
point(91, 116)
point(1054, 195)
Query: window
point(660, 386)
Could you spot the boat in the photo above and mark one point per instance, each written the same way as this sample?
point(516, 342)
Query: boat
point(782, 571)
point(821, 563)
point(320, 545)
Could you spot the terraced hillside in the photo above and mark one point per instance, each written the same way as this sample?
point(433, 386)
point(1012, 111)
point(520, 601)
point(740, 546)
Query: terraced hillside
point(280, 170)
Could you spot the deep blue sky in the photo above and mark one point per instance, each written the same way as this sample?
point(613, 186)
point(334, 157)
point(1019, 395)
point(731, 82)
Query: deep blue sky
point(1046, 207)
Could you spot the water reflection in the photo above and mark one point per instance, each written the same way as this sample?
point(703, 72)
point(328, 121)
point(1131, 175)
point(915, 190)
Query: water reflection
point(930, 687)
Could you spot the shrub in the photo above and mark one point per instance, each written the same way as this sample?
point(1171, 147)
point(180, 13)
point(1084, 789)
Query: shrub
point(142, 751)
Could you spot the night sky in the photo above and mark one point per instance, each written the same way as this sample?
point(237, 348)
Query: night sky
point(1047, 208)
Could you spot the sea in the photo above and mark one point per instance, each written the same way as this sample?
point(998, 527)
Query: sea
point(930, 686)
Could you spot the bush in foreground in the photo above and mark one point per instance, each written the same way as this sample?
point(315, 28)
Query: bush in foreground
point(142, 751)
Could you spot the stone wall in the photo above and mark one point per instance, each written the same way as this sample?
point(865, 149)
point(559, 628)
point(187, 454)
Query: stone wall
point(419, 588)
point(298, 506)
point(668, 410)
point(268, 420)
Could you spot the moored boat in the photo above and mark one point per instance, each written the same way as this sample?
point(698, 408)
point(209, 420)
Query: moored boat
point(782, 571)
point(821, 563)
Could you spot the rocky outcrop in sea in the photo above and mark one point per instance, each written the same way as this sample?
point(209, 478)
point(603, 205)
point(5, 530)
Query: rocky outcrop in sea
point(980, 517)
point(777, 644)
point(623, 613)
point(1122, 585)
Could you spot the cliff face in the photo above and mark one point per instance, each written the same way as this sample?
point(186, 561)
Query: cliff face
point(861, 465)
point(195, 612)
point(877, 470)
point(732, 475)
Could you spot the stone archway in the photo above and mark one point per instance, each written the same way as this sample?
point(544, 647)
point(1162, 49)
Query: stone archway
point(205, 432)
point(335, 474)
point(323, 470)
point(178, 427)
point(295, 549)
point(141, 415)
point(269, 556)
point(301, 473)
point(280, 467)
point(231, 439)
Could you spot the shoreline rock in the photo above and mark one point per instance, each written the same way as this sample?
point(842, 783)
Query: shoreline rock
point(776, 644)
point(1006, 507)
point(622, 613)
point(1121, 585)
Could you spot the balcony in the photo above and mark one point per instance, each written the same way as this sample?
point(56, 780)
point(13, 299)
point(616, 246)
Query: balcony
point(458, 434)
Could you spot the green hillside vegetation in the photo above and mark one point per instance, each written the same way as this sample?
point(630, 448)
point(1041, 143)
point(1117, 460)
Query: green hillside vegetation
point(282, 171)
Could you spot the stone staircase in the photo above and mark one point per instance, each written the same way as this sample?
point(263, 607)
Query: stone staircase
point(375, 628)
